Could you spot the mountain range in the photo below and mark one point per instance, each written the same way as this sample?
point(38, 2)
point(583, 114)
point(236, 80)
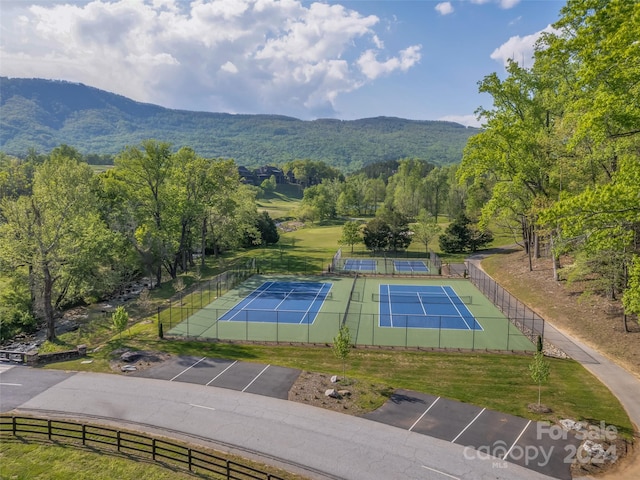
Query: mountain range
point(38, 114)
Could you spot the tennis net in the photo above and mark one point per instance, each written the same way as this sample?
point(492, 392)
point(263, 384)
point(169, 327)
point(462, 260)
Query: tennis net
point(292, 294)
point(421, 297)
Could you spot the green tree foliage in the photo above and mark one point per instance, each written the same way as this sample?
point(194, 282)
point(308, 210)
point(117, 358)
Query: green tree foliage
point(399, 231)
point(405, 190)
point(43, 114)
point(312, 172)
point(558, 159)
point(462, 236)
point(351, 234)
point(268, 230)
point(322, 199)
point(269, 185)
point(539, 370)
point(57, 234)
point(342, 347)
point(16, 308)
point(120, 320)
point(426, 228)
point(376, 234)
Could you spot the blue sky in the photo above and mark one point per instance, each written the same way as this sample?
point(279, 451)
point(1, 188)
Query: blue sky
point(418, 59)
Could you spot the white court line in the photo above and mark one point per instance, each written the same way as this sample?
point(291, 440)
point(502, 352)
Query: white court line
point(201, 406)
point(514, 443)
point(188, 368)
point(423, 414)
point(10, 384)
point(441, 473)
point(256, 377)
point(463, 430)
point(214, 378)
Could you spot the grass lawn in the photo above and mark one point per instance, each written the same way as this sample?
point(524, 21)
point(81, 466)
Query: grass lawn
point(499, 382)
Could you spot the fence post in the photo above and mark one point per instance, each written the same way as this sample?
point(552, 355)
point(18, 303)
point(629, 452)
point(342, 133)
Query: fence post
point(153, 449)
point(84, 434)
point(49, 429)
point(118, 440)
point(14, 425)
point(189, 459)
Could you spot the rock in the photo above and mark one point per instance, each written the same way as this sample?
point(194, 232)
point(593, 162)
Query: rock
point(128, 368)
point(331, 392)
point(334, 379)
point(130, 357)
point(344, 393)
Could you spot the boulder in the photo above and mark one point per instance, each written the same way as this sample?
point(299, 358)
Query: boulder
point(331, 392)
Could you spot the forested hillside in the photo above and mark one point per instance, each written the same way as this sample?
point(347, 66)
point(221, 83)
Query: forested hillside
point(42, 114)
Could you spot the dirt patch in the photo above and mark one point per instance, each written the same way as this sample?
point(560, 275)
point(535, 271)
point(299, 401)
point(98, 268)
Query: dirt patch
point(572, 307)
point(361, 398)
point(126, 360)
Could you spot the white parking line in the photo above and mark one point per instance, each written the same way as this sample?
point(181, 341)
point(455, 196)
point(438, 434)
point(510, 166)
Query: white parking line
point(201, 406)
point(514, 443)
point(214, 378)
point(188, 368)
point(2, 384)
point(465, 428)
point(423, 414)
point(256, 377)
point(441, 473)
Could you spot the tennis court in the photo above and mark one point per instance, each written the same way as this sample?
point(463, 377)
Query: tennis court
point(357, 265)
point(424, 306)
point(281, 302)
point(379, 311)
point(410, 266)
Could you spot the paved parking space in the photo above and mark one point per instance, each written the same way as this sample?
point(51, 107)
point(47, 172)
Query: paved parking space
point(268, 380)
point(485, 432)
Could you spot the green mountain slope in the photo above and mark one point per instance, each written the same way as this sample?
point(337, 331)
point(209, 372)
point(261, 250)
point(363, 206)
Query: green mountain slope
point(42, 114)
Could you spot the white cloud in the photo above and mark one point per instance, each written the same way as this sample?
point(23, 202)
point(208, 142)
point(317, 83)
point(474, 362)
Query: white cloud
point(466, 120)
point(506, 4)
point(294, 58)
point(444, 8)
point(519, 49)
point(373, 69)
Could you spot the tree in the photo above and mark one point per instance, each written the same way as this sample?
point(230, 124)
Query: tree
point(399, 232)
point(143, 175)
point(120, 320)
point(342, 346)
point(539, 370)
point(268, 230)
point(269, 185)
point(376, 235)
point(426, 229)
point(461, 236)
point(57, 236)
point(350, 234)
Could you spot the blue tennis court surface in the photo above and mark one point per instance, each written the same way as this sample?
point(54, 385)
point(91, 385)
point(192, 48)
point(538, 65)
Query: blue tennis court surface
point(422, 306)
point(410, 266)
point(281, 302)
point(360, 265)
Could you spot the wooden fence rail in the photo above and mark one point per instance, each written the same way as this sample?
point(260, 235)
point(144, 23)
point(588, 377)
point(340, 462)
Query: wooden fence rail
point(130, 443)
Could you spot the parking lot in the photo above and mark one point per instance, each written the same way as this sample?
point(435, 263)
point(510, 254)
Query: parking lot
point(485, 432)
point(268, 380)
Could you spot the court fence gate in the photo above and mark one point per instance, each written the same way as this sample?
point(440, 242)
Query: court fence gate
point(528, 322)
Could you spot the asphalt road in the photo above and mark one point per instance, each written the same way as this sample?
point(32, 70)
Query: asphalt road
point(322, 443)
